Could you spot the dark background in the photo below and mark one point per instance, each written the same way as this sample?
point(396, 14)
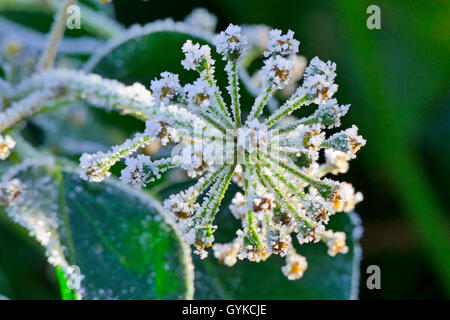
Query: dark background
point(397, 80)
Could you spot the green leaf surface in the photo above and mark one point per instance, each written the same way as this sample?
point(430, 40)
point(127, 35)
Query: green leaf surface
point(122, 243)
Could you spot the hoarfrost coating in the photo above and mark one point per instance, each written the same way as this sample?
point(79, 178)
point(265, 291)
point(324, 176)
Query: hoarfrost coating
point(275, 162)
point(273, 158)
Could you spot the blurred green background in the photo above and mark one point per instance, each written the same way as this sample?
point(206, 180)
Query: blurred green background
point(397, 80)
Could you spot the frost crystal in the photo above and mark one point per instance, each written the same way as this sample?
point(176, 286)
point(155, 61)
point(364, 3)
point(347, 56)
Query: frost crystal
point(277, 70)
point(166, 89)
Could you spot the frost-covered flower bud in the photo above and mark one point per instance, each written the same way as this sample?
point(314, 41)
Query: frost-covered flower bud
point(295, 266)
point(6, 144)
point(167, 89)
point(238, 206)
point(201, 18)
point(161, 130)
point(141, 170)
point(309, 234)
point(197, 57)
point(231, 43)
point(336, 161)
point(319, 80)
point(329, 114)
point(182, 205)
point(10, 191)
point(284, 45)
point(136, 172)
point(237, 176)
point(227, 253)
point(335, 242)
point(263, 204)
point(95, 167)
point(277, 71)
point(347, 141)
point(203, 240)
point(309, 136)
point(278, 241)
point(345, 198)
point(276, 163)
point(199, 94)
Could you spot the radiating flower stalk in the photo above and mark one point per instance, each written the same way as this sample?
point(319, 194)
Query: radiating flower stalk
point(218, 141)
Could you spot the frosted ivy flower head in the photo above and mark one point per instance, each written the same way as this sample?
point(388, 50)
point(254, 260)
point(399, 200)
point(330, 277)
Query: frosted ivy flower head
point(231, 43)
point(285, 196)
point(6, 144)
point(335, 242)
point(167, 89)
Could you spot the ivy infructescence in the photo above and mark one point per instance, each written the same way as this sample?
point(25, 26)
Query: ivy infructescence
point(273, 158)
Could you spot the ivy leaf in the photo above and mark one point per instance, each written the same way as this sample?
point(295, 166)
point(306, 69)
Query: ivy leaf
point(109, 241)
